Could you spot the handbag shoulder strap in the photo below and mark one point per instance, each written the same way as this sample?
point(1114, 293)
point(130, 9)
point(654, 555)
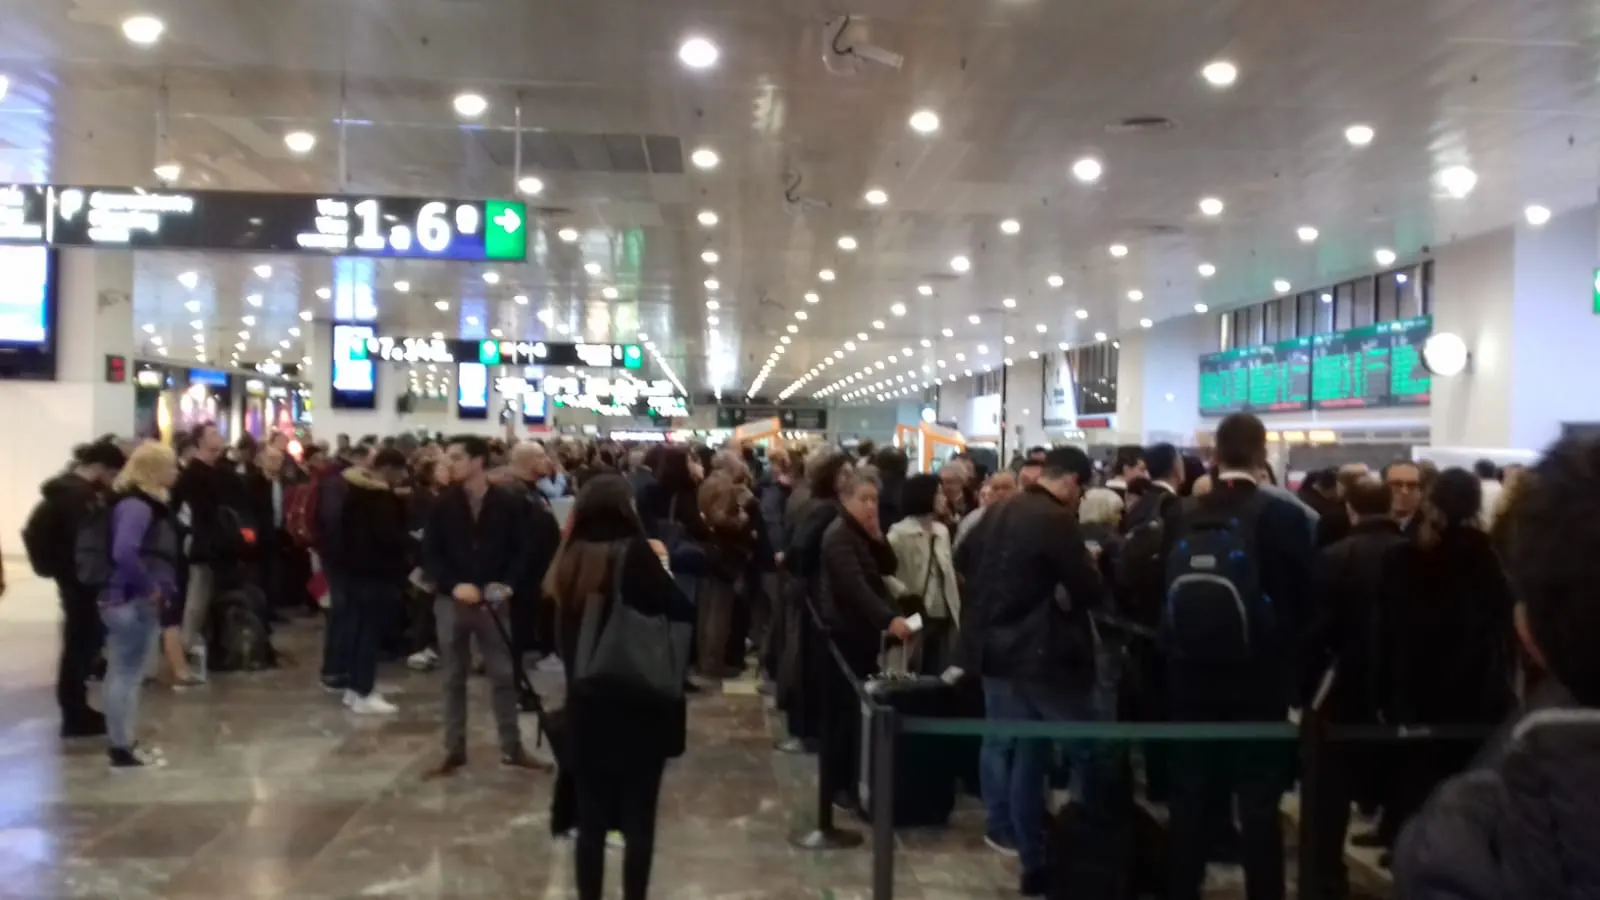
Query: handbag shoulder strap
point(597, 612)
point(933, 560)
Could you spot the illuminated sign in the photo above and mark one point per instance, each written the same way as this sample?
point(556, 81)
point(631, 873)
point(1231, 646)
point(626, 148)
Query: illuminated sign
point(403, 350)
point(497, 353)
point(472, 391)
point(617, 397)
point(24, 210)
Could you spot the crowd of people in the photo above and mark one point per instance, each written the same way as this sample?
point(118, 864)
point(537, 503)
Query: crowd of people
point(1157, 587)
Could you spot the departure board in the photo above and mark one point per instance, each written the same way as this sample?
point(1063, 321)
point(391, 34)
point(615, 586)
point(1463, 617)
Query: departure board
point(1270, 378)
point(1376, 365)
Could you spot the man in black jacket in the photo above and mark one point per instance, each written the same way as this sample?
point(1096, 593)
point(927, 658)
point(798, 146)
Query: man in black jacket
point(530, 631)
point(1037, 656)
point(202, 489)
point(1204, 776)
point(67, 501)
point(473, 555)
point(1341, 682)
point(331, 489)
point(377, 551)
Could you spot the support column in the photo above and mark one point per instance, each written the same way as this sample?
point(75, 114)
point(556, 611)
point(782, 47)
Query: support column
point(1158, 380)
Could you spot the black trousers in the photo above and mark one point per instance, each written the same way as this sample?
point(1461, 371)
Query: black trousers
point(1206, 776)
point(82, 637)
point(627, 799)
point(1325, 823)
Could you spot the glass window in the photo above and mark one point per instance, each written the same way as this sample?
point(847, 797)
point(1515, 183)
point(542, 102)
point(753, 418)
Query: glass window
point(1389, 285)
point(1225, 331)
point(1305, 315)
point(1270, 322)
point(1427, 288)
point(1324, 313)
point(1343, 306)
point(1252, 326)
point(1365, 302)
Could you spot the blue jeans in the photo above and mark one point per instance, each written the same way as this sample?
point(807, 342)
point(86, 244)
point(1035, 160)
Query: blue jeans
point(336, 644)
point(369, 605)
point(130, 640)
point(1018, 801)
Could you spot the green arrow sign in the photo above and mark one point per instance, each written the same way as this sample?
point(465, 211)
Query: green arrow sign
point(505, 235)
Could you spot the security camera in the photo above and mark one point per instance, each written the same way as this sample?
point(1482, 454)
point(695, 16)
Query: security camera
point(846, 49)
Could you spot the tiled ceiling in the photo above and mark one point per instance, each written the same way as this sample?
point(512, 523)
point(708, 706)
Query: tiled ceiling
point(592, 99)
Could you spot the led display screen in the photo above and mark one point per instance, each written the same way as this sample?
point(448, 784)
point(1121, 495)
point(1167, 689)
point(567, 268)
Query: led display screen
point(354, 380)
point(1375, 365)
point(472, 391)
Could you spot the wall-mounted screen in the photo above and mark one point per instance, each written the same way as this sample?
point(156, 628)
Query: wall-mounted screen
point(1378, 365)
point(533, 406)
point(472, 391)
point(26, 296)
point(354, 380)
point(209, 378)
point(1269, 378)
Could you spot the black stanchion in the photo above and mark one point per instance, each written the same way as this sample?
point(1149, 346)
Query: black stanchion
point(825, 836)
point(1312, 872)
point(884, 724)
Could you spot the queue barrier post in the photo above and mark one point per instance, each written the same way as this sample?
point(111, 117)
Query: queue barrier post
point(825, 836)
point(885, 723)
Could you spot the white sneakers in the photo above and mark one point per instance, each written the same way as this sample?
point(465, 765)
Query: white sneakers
point(373, 704)
point(425, 660)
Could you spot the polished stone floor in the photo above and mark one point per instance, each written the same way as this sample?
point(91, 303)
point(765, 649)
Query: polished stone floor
point(274, 791)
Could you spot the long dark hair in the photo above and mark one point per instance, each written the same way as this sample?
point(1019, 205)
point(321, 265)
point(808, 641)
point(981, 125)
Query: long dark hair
point(582, 564)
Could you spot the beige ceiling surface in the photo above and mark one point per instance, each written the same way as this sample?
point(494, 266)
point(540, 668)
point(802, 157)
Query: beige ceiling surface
point(592, 99)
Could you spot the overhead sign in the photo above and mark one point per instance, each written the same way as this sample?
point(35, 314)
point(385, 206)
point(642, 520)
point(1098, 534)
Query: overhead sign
point(331, 224)
point(617, 397)
point(499, 353)
point(797, 418)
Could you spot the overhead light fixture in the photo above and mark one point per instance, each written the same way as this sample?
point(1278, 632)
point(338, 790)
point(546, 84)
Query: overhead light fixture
point(707, 218)
point(150, 329)
point(143, 30)
point(924, 121)
point(811, 297)
point(253, 299)
point(973, 319)
point(1009, 303)
point(960, 263)
point(324, 293)
point(712, 284)
point(263, 271)
point(1211, 206)
point(1220, 73)
point(705, 158)
point(192, 306)
point(1041, 328)
point(295, 332)
point(826, 275)
point(876, 197)
point(1458, 181)
point(496, 333)
point(1201, 308)
point(1099, 335)
point(846, 242)
point(1306, 233)
point(698, 53)
point(241, 346)
point(491, 278)
point(713, 305)
point(792, 328)
point(1325, 297)
point(1359, 135)
point(925, 290)
point(168, 172)
point(189, 280)
point(441, 305)
point(713, 320)
point(568, 235)
point(1145, 323)
point(1281, 286)
point(1136, 295)
point(898, 309)
point(300, 142)
point(520, 299)
point(878, 324)
point(593, 268)
point(1206, 270)
point(861, 335)
point(469, 105)
point(1055, 281)
point(1010, 226)
point(1082, 314)
point(1536, 215)
point(925, 343)
point(1119, 250)
point(247, 321)
point(1384, 256)
point(948, 332)
point(1087, 170)
point(530, 185)
point(608, 292)
point(402, 286)
point(710, 257)
point(305, 315)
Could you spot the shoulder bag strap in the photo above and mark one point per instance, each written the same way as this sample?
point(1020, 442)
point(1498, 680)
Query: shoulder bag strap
point(933, 560)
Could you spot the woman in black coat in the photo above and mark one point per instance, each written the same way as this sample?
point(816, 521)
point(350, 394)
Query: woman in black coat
point(618, 740)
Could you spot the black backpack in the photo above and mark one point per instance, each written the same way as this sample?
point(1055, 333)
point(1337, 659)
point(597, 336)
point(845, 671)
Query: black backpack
point(1141, 566)
point(91, 548)
point(1215, 611)
point(40, 540)
point(239, 641)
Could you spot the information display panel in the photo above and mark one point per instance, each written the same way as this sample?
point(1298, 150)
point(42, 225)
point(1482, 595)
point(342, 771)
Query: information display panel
point(499, 353)
point(1269, 378)
point(331, 224)
point(1376, 365)
point(472, 391)
point(354, 378)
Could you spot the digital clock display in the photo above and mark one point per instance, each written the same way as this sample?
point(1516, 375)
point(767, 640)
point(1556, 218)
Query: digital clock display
point(332, 224)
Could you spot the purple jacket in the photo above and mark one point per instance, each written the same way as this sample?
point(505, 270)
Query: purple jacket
point(144, 550)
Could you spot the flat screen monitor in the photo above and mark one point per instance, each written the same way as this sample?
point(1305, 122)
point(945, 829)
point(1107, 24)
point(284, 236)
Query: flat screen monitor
point(28, 312)
point(472, 391)
point(355, 381)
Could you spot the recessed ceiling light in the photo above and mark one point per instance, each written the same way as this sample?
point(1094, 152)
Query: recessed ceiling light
point(143, 30)
point(698, 53)
point(925, 290)
point(241, 346)
point(973, 319)
point(1220, 73)
point(1206, 270)
point(189, 280)
point(1384, 256)
point(470, 105)
point(1055, 281)
point(1082, 314)
point(1458, 181)
point(1136, 295)
point(150, 329)
point(792, 328)
point(861, 335)
point(244, 335)
point(300, 141)
point(1009, 303)
point(192, 306)
point(1201, 308)
point(197, 325)
point(608, 292)
point(838, 354)
point(1041, 328)
point(712, 284)
point(263, 271)
point(495, 333)
point(1536, 215)
point(826, 275)
point(1211, 206)
point(441, 305)
point(960, 263)
point(1087, 170)
point(948, 332)
point(1325, 297)
point(248, 321)
point(253, 299)
point(295, 332)
point(1306, 234)
point(710, 257)
point(811, 297)
point(1280, 285)
point(1119, 250)
point(593, 268)
point(305, 315)
point(878, 324)
point(402, 286)
point(846, 242)
point(520, 299)
point(1099, 335)
point(1145, 323)
point(1359, 135)
point(713, 305)
point(568, 235)
point(876, 197)
point(924, 121)
point(1010, 226)
point(713, 320)
point(850, 346)
point(898, 309)
point(925, 343)
point(324, 293)
point(705, 158)
point(707, 218)
point(491, 278)
point(1010, 339)
point(168, 172)
point(530, 185)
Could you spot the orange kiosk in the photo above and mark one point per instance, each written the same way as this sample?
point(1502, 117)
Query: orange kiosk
point(755, 432)
point(926, 444)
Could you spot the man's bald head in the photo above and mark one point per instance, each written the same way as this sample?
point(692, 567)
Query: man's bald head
point(529, 461)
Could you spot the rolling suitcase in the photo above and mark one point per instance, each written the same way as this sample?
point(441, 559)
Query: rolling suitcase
point(925, 766)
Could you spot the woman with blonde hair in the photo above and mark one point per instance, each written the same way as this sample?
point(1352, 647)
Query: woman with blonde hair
point(141, 579)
